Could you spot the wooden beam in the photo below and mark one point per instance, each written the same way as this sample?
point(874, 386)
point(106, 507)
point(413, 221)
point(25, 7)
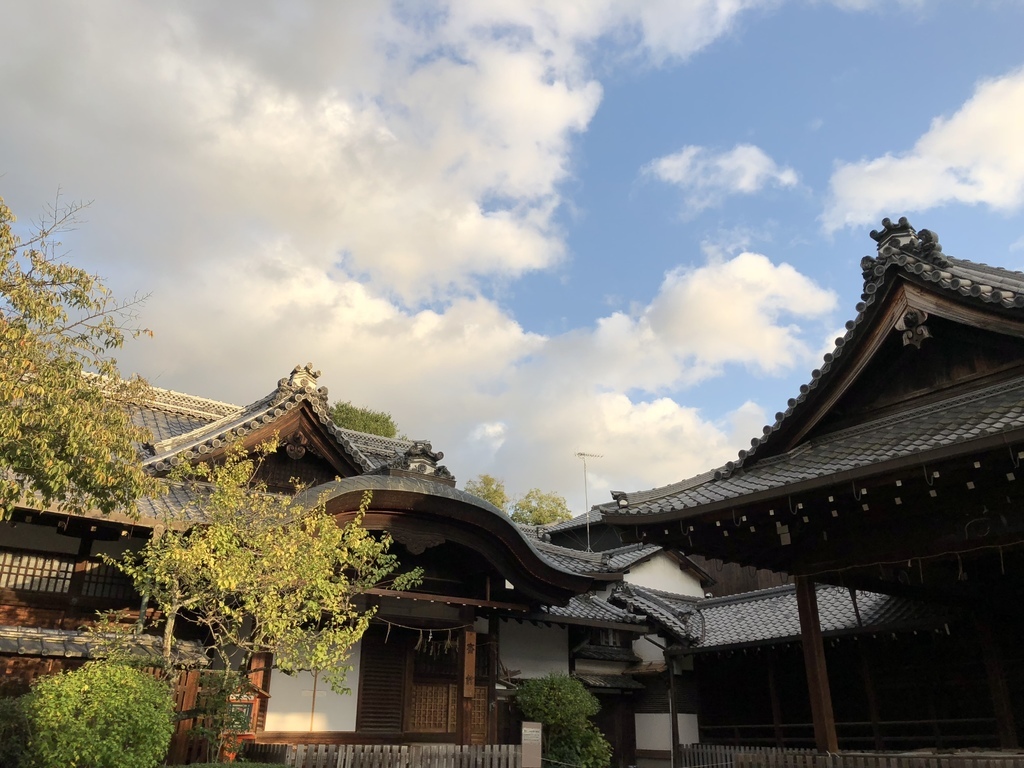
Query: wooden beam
point(814, 660)
point(449, 599)
point(466, 687)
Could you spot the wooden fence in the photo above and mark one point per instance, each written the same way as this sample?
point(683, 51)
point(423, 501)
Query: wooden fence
point(713, 756)
point(387, 755)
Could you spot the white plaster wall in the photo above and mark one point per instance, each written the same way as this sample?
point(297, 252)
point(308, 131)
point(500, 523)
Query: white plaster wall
point(599, 667)
point(648, 651)
point(42, 537)
point(662, 572)
point(534, 650)
point(116, 549)
point(654, 731)
point(292, 704)
point(688, 731)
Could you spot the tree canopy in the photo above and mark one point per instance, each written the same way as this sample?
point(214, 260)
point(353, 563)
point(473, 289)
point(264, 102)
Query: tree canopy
point(361, 419)
point(489, 488)
point(261, 572)
point(66, 435)
point(535, 507)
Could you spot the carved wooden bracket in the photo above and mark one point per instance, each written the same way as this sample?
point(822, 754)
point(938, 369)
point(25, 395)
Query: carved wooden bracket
point(417, 543)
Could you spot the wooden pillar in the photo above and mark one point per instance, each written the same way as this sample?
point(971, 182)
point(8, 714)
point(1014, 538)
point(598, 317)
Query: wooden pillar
point(773, 692)
point(492, 682)
point(467, 686)
point(998, 689)
point(814, 661)
point(672, 714)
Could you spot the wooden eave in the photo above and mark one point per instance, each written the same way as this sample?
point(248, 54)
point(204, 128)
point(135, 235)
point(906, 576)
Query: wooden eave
point(413, 508)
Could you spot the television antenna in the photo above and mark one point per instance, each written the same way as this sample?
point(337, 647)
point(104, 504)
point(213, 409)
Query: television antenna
point(586, 500)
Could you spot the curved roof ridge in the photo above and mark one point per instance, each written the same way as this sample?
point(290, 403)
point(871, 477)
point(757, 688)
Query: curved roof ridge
point(188, 405)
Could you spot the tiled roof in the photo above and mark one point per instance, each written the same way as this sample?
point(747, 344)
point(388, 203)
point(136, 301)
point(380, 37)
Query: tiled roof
point(991, 411)
point(621, 682)
point(590, 607)
point(609, 561)
point(902, 251)
point(172, 504)
point(289, 394)
point(594, 516)
point(66, 643)
point(770, 616)
point(376, 448)
point(670, 611)
point(606, 653)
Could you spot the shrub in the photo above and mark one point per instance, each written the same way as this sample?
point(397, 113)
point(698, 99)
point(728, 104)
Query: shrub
point(564, 707)
point(13, 730)
point(102, 715)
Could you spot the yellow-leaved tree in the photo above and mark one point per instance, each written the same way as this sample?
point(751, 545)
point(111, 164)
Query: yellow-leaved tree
point(263, 572)
point(66, 435)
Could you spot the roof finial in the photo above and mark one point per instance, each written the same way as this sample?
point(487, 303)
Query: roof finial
point(303, 376)
point(892, 237)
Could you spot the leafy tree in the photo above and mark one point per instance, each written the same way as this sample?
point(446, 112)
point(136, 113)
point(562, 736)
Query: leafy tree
point(66, 435)
point(263, 572)
point(539, 508)
point(535, 507)
point(490, 489)
point(366, 420)
point(564, 707)
point(101, 715)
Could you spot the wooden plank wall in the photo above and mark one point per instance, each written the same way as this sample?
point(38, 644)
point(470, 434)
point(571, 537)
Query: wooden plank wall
point(387, 755)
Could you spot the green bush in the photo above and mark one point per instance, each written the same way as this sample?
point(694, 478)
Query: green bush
point(102, 715)
point(13, 730)
point(564, 707)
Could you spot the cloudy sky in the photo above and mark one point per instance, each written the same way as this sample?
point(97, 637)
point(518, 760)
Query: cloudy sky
point(525, 229)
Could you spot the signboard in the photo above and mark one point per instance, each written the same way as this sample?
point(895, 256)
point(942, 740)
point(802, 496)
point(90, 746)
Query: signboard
point(531, 745)
point(469, 667)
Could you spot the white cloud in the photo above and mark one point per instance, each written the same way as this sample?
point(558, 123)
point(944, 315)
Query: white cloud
point(974, 156)
point(337, 183)
point(707, 177)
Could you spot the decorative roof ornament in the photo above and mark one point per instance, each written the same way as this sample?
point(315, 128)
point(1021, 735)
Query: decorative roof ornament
point(913, 327)
point(420, 459)
point(303, 378)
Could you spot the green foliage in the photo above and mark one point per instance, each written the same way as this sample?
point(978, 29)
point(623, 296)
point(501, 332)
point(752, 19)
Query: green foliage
point(264, 572)
point(489, 489)
point(66, 438)
point(99, 716)
point(366, 420)
point(564, 707)
point(13, 732)
point(534, 508)
point(540, 508)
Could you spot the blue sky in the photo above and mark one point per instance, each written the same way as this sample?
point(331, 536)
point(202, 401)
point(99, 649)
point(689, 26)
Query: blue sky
point(525, 229)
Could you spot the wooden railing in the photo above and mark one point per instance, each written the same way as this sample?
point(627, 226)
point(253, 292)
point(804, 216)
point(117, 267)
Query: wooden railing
point(387, 755)
point(715, 756)
point(889, 735)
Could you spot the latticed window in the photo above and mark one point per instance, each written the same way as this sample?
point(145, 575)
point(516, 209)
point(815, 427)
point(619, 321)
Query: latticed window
point(106, 581)
point(35, 572)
